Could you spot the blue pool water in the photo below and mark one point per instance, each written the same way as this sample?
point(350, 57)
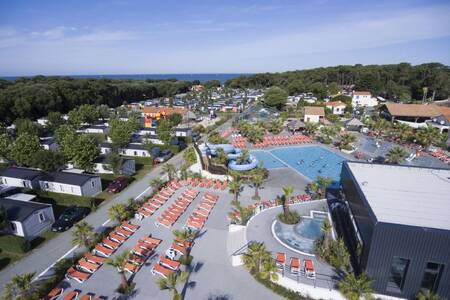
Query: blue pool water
point(312, 161)
point(302, 236)
point(268, 160)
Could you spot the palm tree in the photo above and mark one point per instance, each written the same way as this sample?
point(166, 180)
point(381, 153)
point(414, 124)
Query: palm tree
point(396, 155)
point(428, 295)
point(323, 183)
point(186, 236)
point(156, 183)
point(402, 131)
point(353, 288)
point(328, 133)
point(170, 170)
point(275, 126)
point(288, 190)
point(244, 157)
point(83, 234)
point(118, 212)
point(257, 180)
point(170, 283)
point(311, 128)
point(269, 269)
point(256, 254)
point(346, 140)
point(119, 263)
point(235, 188)
point(326, 228)
point(428, 136)
point(20, 287)
point(380, 126)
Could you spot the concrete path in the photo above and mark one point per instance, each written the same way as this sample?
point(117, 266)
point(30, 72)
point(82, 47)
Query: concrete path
point(40, 259)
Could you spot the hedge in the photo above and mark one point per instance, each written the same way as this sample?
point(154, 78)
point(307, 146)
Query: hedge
point(281, 290)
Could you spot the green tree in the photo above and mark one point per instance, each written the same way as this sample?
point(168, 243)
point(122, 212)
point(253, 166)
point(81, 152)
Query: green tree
point(119, 262)
point(24, 149)
point(189, 156)
point(5, 145)
point(255, 256)
point(85, 151)
point(170, 283)
point(120, 133)
point(83, 114)
point(257, 180)
point(333, 88)
point(428, 295)
point(328, 133)
point(276, 126)
point(65, 136)
point(156, 184)
point(186, 236)
point(355, 288)
point(276, 97)
point(26, 126)
point(428, 136)
point(402, 131)
point(164, 130)
point(326, 228)
point(311, 128)
point(235, 187)
point(381, 126)
point(118, 212)
point(20, 287)
point(170, 170)
point(346, 140)
point(48, 160)
point(269, 269)
point(83, 235)
point(103, 111)
point(396, 155)
point(288, 190)
point(323, 183)
point(115, 162)
point(175, 119)
point(54, 120)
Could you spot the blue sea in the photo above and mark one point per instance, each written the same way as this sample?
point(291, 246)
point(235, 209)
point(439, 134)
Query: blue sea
point(222, 77)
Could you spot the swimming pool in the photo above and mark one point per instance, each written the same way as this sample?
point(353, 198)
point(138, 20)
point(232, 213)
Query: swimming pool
point(268, 160)
point(300, 237)
point(312, 161)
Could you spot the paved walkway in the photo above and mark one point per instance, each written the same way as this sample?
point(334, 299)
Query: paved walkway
point(40, 259)
point(213, 277)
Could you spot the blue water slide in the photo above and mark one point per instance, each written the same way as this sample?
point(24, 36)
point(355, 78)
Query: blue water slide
point(233, 165)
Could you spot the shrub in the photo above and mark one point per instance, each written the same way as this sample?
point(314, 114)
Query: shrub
point(281, 290)
point(292, 217)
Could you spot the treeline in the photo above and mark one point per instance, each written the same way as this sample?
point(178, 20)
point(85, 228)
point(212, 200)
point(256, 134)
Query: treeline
point(35, 97)
point(398, 81)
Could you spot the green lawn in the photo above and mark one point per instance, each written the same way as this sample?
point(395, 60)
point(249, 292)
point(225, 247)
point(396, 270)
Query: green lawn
point(62, 201)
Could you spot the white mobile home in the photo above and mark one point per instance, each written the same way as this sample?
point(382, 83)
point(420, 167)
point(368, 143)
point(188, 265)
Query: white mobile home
point(27, 219)
point(71, 183)
point(21, 177)
point(134, 149)
point(101, 166)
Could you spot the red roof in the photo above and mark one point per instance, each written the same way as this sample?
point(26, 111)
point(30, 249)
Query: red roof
point(335, 103)
point(361, 93)
point(164, 110)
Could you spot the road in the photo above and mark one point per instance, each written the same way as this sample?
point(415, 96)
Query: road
point(42, 258)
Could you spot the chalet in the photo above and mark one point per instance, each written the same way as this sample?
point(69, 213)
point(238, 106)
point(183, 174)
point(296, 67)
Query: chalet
point(49, 143)
point(183, 131)
point(71, 183)
point(27, 219)
point(363, 99)
point(414, 115)
point(98, 129)
point(21, 177)
point(134, 149)
point(313, 114)
point(336, 107)
point(101, 166)
point(105, 148)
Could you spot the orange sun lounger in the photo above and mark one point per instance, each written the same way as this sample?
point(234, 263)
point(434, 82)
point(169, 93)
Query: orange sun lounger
point(131, 268)
point(145, 245)
point(295, 265)
point(54, 294)
point(151, 240)
point(110, 244)
point(142, 252)
point(121, 231)
point(71, 295)
point(136, 259)
point(117, 237)
point(103, 250)
point(281, 259)
point(160, 270)
point(169, 263)
point(86, 297)
point(79, 276)
point(87, 266)
point(130, 227)
point(94, 258)
point(310, 272)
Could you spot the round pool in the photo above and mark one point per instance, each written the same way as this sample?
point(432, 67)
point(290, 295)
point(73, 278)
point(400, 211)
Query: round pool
point(299, 237)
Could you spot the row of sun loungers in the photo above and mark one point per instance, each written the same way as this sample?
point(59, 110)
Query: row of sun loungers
point(441, 155)
point(168, 264)
point(294, 266)
point(206, 183)
point(91, 262)
point(72, 295)
point(154, 203)
point(239, 142)
point(171, 214)
point(144, 248)
point(283, 140)
point(198, 218)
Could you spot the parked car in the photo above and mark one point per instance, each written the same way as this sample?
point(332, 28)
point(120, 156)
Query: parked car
point(70, 216)
point(164, 156)
point(117, 185)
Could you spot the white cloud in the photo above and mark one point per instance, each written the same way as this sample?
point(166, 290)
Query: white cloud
point(53, 33)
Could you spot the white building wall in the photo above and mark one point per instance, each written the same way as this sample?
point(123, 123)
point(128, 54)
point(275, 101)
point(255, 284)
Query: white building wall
point(18, 229)
point(63, 188)
point(312, 118)
point(10, 181)
point(132, 152)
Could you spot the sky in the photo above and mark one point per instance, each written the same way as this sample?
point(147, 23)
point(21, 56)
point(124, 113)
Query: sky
point(210, 36)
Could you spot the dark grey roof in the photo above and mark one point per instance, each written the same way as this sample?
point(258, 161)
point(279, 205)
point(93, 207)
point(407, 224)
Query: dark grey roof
point(21, 173)
point(106, 145)
point(68, 178)
point(183, 129)
point(18, 210)
point(98, 127)
point(47, 141)
point(135, 147)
